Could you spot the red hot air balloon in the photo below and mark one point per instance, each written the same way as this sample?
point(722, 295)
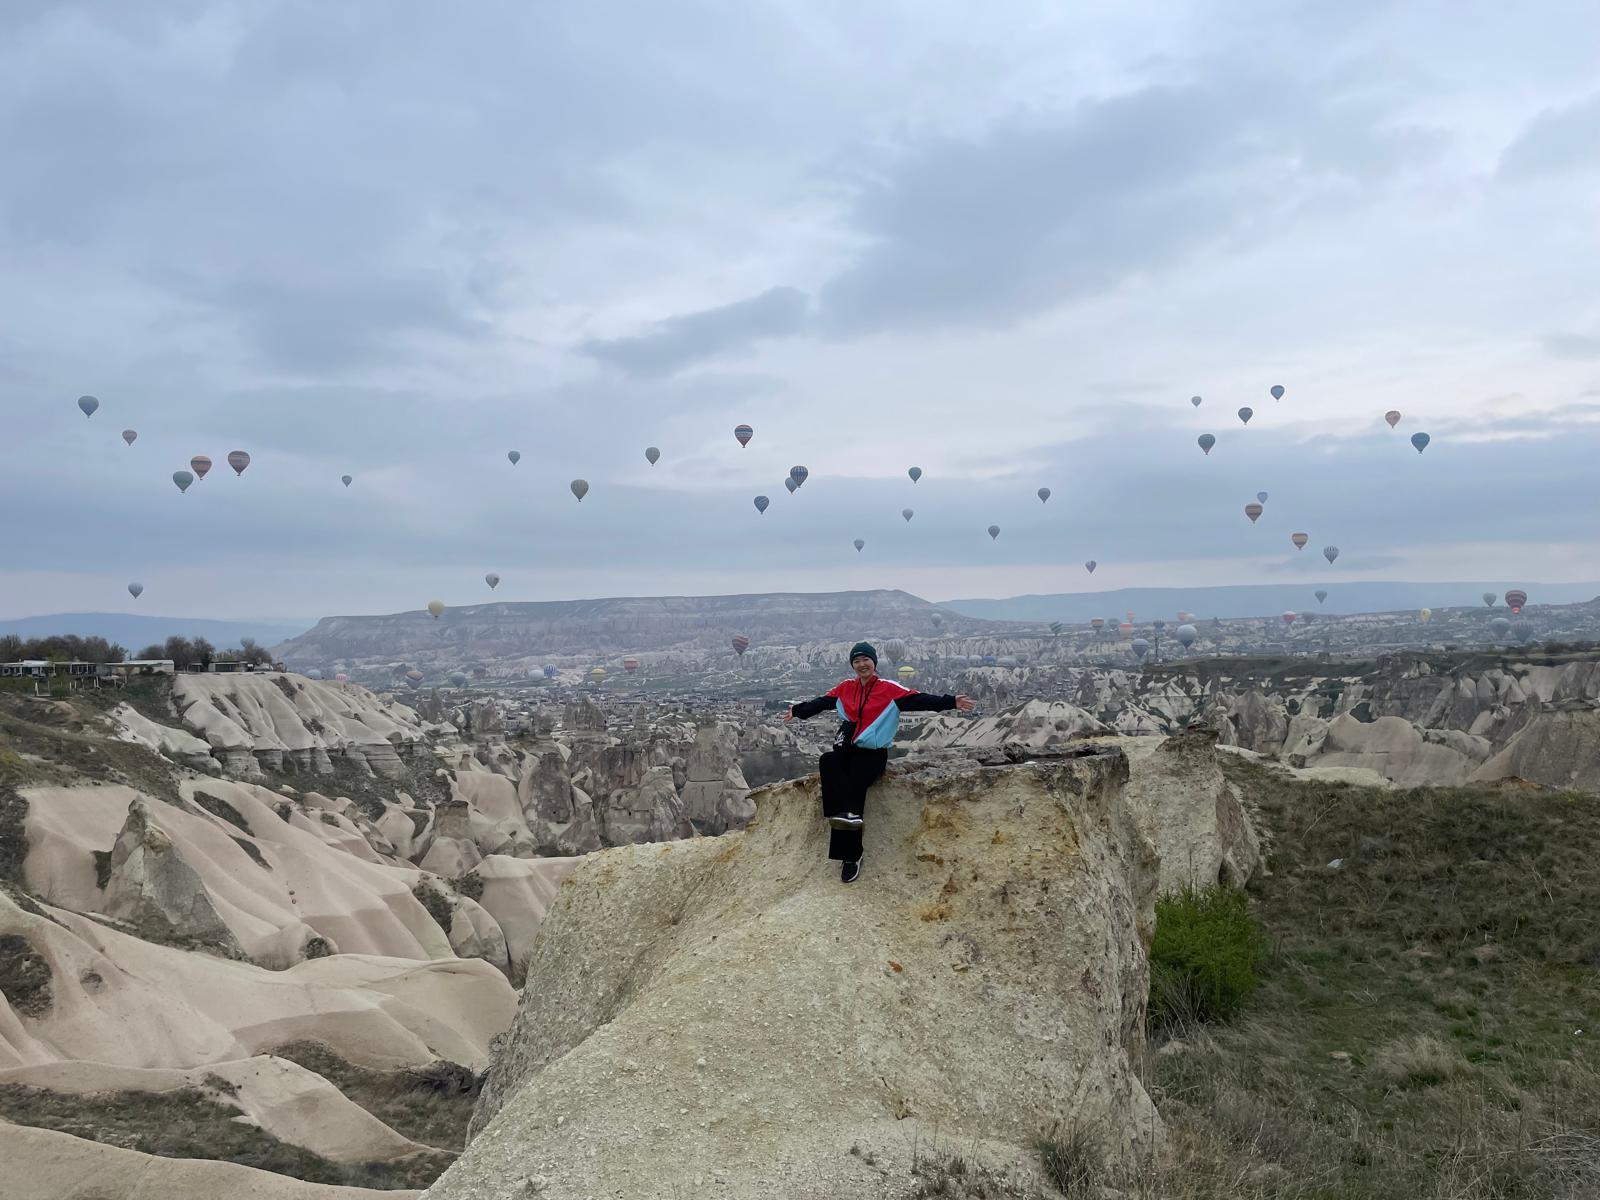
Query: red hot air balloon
point(1125, 629)
point(1516, 598)
point(744, 433)
point(1253, 511)
point(238, 460)
point(1299, 540)
point(200, 465)
point(630, 665)
point(1289, 618)
point(1393, 417)
point(740, 644)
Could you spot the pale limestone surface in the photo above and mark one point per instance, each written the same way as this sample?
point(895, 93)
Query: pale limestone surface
point(985, 978)
point(42, 1165)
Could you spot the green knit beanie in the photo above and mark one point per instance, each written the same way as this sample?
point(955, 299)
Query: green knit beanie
point(865, 648)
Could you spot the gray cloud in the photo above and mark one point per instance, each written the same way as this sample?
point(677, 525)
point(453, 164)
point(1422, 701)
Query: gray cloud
point(679, 341)
point(1038, 211)
point(1571, 345)
point(1557, 140)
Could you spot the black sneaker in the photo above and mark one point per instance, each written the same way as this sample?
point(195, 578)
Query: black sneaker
point(851, 871)
point(846, 821)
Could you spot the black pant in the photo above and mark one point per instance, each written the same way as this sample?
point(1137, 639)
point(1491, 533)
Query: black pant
point(847, 773)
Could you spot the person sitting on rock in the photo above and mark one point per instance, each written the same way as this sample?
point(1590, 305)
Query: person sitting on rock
point(869, 710)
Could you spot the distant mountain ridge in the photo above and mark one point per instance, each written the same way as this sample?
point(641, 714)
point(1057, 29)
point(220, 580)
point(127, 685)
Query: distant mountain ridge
point(136, 631)
point(1262, 600)
point(634, 623)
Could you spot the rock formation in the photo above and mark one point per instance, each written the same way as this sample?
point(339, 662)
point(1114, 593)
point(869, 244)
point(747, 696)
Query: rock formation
point(985, 978)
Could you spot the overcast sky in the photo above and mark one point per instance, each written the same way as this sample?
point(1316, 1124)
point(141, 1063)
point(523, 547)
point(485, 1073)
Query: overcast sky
point(1005, 243)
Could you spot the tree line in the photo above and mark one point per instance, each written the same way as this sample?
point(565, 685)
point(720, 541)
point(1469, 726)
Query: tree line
point(184, 652)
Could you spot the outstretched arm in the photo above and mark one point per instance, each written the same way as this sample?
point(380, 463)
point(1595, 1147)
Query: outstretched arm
point(927, 702)
point(809, 708)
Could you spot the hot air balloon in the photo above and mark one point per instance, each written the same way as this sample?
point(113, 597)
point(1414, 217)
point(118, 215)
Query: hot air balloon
point(1277, 391)
point(1246, 413)
point(550, 671)
point(1195, 400)
point(1305, 618)
point(134, 589)
point(1330, 553)
point(1043, 494)
point(414, 675)
point(1253, 511)
point(1393, 417)
point(341, 677)
point(200, 465)
point(130, 436)
point(1261, 496)
point(515, 456)
point(1090, 566)
point(183, 479)
point(1184, 617)
point(1299, 540)
point(1501, 626)
point(791, 485)
point(1125, 628)
point(598, 674)
point(435, 608)
point(580, 488)
point(1288, 618)
point(907, 674)
point(1425, 615)
point(1159, 624)
point(907, 513)
point(1515, 599)
point(799, 475)
point(1186, 635)
point(937, 620)
point(1055, 628)
point(1097, 623)
point(761, 503)
point(744, 433)
point(1488, 599)
point(1321, 595)
point(740, 644)
point(915, 473)
point(630, 665)
point(492, 580)
point(458, 678)
point(1206, 441)
point(895, 650)
point(88, 404)
point(652, 455)
point(1420, 441)
point(238, 460)
point(994, 531)
point(989, 660)
point(347, 480)
point(858, 543)
point(1140, 647)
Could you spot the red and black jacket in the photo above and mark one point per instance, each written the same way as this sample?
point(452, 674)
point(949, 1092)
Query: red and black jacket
point(861, 706)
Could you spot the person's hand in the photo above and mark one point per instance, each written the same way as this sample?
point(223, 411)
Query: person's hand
point(965, 704)
point(788, 716)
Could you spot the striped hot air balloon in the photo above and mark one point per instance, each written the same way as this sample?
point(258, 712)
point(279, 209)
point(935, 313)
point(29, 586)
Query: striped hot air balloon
point(1515, 599)
point(200, 465)
point(744, 433)
point(1299, 540)
point(740, 644)
point(238, 460)
point(1253, 511)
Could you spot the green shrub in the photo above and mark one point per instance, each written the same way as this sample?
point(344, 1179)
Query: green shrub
point(1203, 958)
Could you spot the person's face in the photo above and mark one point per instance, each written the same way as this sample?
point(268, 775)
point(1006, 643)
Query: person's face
point(863, 666)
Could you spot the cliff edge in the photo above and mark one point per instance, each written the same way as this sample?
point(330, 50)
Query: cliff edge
point(723, 1017)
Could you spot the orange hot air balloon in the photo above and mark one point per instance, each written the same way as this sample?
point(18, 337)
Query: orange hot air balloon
point(1253, 511)
point(1125, 629)
point(200, 464)
point(1299, 540)
point(1516, 598)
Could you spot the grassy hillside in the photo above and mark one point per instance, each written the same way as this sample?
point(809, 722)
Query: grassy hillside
point(1428, 1016)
